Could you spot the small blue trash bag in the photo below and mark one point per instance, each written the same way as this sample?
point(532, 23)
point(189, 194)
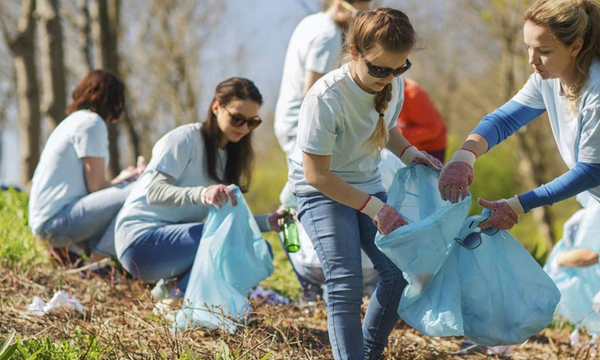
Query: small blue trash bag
point(578, 286)
point(232, 258)
point(496, 294)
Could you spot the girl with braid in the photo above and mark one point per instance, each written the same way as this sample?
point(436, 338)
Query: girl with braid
point(346, 119)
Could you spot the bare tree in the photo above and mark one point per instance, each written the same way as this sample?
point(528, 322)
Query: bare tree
point(53, 68)
point(105, 56)
point(162, 63)
point(22, 46)
point(81, 22)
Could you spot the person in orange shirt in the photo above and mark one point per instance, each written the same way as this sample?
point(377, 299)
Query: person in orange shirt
point(420, 122)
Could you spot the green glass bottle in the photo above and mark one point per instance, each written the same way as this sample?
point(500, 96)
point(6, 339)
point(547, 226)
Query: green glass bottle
point(291, 240)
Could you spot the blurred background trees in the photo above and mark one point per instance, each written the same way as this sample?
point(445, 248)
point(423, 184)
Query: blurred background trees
point(172, 53)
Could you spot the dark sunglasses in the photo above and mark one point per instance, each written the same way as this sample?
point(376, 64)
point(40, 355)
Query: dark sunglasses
point(383, 72)
point(238, 120)
point(470, 235)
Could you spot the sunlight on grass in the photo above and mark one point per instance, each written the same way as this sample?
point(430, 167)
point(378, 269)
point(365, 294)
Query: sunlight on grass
point(19, 249)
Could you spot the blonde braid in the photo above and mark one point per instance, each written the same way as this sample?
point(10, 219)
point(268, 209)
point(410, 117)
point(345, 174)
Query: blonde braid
point(376, 142)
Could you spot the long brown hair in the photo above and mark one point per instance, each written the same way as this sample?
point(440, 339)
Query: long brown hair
point(240, 155)
point(391, 30)
point(101, 92)
point(569, 20)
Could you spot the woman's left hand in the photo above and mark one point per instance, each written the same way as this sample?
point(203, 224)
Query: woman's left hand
point(275, 219)
point(412, 154)
point(131, 173)
point(505, 213)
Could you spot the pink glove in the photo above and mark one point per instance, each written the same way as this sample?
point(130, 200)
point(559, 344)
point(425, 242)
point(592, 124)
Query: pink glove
point(411, 154)
point(457, 176)
point(385, 217)
point(505, 213)
point(217, 196)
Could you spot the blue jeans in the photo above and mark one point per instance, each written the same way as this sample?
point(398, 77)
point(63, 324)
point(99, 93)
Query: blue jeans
point(90, 219)
point(338, 233)
point(166, 252)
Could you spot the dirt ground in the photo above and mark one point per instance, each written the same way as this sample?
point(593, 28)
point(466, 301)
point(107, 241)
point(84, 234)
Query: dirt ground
point(118, 312)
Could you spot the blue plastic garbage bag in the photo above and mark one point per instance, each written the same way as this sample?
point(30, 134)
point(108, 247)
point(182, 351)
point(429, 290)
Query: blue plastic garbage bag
point(496, 294)
point(578, 286)
point(232, 258)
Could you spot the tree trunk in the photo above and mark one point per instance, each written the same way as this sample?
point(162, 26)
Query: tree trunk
point(103, 38)
point(53, 68)
point(84, 33)
point(22, 46)
point(114, 12)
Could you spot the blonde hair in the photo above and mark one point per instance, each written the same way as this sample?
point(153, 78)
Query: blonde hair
point(384, 29)
point(569, 20)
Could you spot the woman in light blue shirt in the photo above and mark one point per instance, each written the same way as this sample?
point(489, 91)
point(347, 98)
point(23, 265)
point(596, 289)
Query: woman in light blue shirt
point(158, 231)
point(71, 201)
point(563, 40)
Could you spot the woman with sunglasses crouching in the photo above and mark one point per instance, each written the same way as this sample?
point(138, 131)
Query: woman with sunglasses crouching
point(346, 118)
point(158, 230)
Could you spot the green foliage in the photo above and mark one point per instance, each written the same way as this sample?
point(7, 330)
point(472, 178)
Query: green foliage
point(7, 348)
point(270, 174)
point(79, 347)
point(19, 249)
point(283, 280)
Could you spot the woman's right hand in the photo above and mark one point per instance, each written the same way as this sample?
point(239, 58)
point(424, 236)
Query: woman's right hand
point(385, 217)
point(457, 175)
point(217, 195)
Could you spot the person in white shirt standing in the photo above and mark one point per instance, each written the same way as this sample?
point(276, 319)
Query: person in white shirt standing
point(346, 119)
point(313, 51)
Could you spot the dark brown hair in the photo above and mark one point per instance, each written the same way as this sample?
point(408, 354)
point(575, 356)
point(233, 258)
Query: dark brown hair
point(240, 155)
point(101, 92)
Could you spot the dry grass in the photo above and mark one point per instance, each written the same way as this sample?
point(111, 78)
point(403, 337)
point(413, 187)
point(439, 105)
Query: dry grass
point(118, 313)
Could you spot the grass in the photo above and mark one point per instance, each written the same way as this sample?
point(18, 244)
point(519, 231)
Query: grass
point(19, 249)
point(118, 322)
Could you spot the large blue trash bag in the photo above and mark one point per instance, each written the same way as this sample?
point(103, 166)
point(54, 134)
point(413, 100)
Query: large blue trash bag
point(496, 294)
point(232, 258)
point(578, 285)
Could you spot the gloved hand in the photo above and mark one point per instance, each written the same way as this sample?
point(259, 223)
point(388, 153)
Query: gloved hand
point(411, 154)
point(457, 176)
point(217, 196)
point(385, 217)
point(505, 213)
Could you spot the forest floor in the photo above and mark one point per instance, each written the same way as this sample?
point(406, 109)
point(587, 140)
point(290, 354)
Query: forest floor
point(118, 323)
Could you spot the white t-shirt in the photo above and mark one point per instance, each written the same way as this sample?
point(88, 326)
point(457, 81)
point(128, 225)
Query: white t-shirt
point(180, 154)
point(577, 134)
point(59, 178)
point(336, 118)
point(315, 45)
